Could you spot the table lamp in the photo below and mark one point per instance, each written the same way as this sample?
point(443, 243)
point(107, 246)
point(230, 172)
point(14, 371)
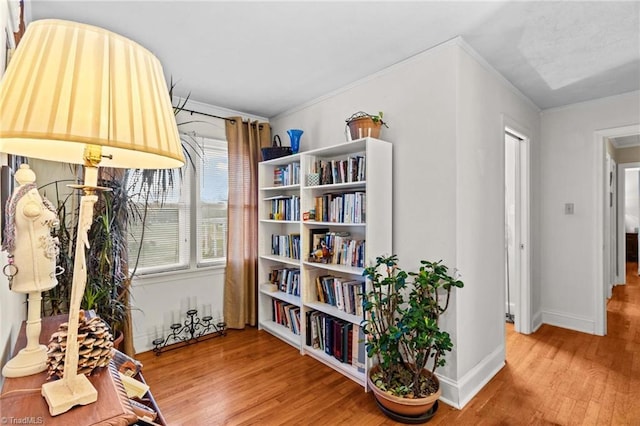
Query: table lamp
point(79, 94)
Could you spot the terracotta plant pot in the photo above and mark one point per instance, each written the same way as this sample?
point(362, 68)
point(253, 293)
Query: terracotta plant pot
point(410, 407)
point(118, 340)
point(364, 127)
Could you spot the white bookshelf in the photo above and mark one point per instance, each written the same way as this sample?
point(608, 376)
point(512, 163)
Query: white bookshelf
point(375, 230)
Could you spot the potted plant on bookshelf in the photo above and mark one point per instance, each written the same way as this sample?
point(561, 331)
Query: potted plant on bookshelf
point(403, 336)
point(362, 125)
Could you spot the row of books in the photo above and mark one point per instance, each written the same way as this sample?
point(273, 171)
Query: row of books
point(287, 315)
point(344, 294)
point(284, 207)
point(351, 169)
point(345, 207)
point(288, 174)
point(342, 249)
point(341, 339)
point(287, 280)
point(286, 245)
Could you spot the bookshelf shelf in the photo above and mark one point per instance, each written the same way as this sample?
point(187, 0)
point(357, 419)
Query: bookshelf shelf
point(334, 312)
point(338, 186)
point(282, 332)
point(346, 369)
point(280, 295)
point(356, 180)
point(315, 223)
point(343, 269)
point(279, 221)
point(280, 188)
point(281, 259)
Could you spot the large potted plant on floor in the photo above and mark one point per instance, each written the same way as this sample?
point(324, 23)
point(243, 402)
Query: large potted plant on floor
point(403, 335)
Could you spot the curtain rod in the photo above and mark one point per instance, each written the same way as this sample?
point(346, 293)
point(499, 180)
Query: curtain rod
point(208, 115)
point(211, 115)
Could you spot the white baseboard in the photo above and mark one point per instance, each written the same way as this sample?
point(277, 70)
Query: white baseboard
point(537, 322)
point(572, 322)
point(142, 342)
point(459, 393)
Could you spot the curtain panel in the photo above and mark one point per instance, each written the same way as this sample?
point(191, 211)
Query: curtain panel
point(244, 140)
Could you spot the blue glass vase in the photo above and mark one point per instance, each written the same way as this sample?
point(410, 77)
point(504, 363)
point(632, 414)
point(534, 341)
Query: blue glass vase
point(295, 135)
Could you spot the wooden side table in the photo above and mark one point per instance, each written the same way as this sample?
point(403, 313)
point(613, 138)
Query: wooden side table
point(21, 401)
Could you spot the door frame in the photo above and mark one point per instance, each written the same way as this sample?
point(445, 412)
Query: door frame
point(610, 215)
point(601, 188)
point(523, 323)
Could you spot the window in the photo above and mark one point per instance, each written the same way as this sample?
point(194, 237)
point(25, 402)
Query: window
point(213, 195)
point(187, 226)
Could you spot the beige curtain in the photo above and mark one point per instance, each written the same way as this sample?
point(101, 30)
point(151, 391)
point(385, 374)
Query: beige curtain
point(244, 140)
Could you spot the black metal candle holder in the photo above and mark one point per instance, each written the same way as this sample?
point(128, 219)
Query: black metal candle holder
point(194, 330)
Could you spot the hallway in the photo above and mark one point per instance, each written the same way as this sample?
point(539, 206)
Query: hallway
point(571, 378)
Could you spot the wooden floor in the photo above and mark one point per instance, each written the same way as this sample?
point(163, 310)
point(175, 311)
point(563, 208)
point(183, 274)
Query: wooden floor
point(552, 377)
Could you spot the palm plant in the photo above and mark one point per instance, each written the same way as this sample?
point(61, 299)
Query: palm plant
point(110, 270)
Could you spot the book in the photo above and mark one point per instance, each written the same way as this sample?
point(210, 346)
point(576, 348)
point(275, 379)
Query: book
point(319, 289)
point(133, 387)
point(360, 362)
point(336, 342)
point(337, 289)
point(315, 336)
point(328, 334)
point(308, 334)
point(347, 328)
point(350, 345)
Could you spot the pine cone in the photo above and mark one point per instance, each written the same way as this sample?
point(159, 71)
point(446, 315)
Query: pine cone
point(95, 346)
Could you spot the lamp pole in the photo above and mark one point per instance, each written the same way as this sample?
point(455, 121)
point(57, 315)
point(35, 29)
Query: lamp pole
point(76, 389)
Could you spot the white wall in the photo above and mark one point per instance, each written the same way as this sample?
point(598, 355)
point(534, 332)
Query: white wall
point(155, 297)
point(568, 243)
point(444, 111)
point(632, 200)
point(483, 98)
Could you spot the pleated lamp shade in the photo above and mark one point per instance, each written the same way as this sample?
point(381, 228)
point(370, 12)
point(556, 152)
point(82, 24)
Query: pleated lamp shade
point(69, 85)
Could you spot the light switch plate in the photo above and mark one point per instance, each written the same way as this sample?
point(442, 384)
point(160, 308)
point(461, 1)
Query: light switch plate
point(568, 208)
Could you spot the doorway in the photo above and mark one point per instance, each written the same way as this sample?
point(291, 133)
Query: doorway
point(628, 219)
point(607, 244)
point(516, 202)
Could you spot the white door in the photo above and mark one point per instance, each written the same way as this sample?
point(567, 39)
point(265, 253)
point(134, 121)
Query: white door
point(517, 306)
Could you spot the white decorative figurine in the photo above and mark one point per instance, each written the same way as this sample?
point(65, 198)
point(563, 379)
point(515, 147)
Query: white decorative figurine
point(31, 268)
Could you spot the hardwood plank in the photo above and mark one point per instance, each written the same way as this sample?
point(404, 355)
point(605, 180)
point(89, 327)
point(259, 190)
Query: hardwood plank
point(552, 377)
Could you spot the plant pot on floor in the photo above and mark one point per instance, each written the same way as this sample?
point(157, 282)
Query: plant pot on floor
point(118, 340)
point(405, 407)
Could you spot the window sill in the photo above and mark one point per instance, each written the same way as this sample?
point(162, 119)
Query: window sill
point(167, 276)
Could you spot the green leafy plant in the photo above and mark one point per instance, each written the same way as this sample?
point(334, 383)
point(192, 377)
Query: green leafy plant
point(402, 330)
point(106, 290)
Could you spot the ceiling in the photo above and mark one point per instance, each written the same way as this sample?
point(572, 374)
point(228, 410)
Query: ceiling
point(626, 141)
point(264, 58)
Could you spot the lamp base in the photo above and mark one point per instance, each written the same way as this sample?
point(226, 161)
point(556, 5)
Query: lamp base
point(64, 394)
point(26, 362)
